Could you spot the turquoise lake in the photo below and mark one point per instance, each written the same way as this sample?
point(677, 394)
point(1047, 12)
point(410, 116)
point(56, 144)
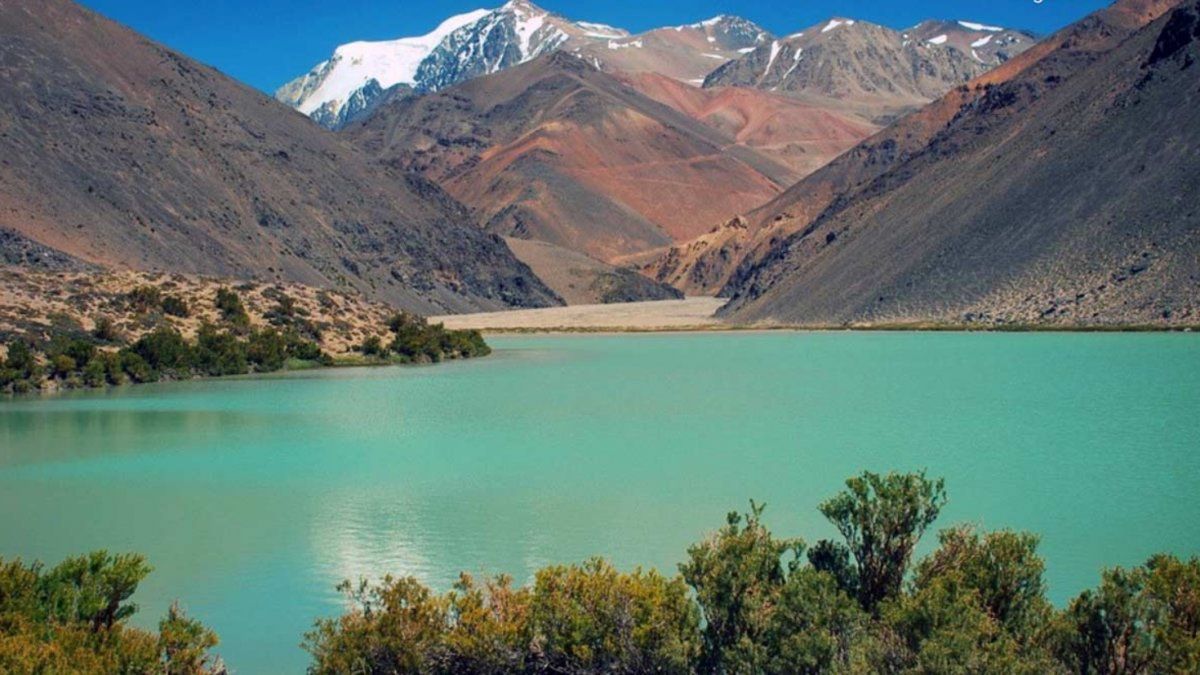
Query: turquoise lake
point(253, 497)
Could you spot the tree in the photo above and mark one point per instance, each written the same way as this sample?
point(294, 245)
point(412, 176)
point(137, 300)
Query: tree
point(881, 519)
point(1140, 620)
point(591, 618)
point(813, 625)
point(737, 575)
point(394, 627)
point(1004, 570)
point(185, 644)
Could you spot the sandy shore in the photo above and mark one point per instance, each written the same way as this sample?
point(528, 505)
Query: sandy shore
point(658, 315)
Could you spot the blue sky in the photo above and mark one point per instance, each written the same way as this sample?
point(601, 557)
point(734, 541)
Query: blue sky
point(267, 42)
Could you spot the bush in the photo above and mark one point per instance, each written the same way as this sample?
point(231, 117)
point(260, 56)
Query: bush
point(231, 309)
point(164, 350)
point(219, 353)
point(373, 346)
point(75, 618)
point(105, 330)
point(267, 349)
point(175, 306)
point(144, 299)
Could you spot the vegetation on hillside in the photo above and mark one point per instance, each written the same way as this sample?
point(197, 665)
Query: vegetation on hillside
point(745, 601)
point(72, 358)
point(414, 340)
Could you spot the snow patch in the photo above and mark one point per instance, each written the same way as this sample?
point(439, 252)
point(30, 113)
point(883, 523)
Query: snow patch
point(834, 23)
point(982, 41)
point(389, 62)
point(939, 40)
point(979, 26)
point(636, 44)
point(716, 56)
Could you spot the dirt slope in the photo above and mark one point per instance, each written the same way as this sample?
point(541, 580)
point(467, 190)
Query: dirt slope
point(558, 151)
point(118, 151)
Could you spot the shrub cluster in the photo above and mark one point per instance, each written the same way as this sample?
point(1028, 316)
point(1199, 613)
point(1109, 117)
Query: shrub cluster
point(746, 601)
point(415, 340)
point(163, 353)
point(74, 618)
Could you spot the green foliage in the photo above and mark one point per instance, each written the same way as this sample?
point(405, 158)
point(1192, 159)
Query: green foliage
point(218, 353)
point(173, 305)
point(185, 644)
point(164, 350)
point(74, 618)
point(813, 625)
point(591, 618)
point(586, 618)
point(737, 575)
point(415, 340)
point(881, 519)
point(373, 346)
point(105, 330)
point(267, 349)
point(229, 305)
point(144, 299)
point(1140, 620)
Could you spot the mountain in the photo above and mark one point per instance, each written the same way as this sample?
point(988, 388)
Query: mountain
point(119, 152)
point(799, 135)
point(558, 151)
point(707, 264)
point(1061, 190)
point(877, 71)
point(339, 90)
point(686, 53)
point(581, 280)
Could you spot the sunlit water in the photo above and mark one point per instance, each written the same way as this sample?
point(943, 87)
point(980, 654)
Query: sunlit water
point(254, 497)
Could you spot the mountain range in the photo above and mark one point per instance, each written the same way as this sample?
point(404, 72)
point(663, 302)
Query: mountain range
point(848, 173)
point(935, 55)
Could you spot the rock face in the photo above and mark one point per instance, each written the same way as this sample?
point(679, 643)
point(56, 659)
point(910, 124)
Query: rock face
point(120, 152)
point(580, 280)
point(880, 72)
point(1060, 189)
point(356, 77)
point(558, 151)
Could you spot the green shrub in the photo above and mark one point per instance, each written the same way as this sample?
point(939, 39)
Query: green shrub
point(267, 349)
point(219, 353)
point(144, 299)
point(164, 350)
point(231, 309)
point(175, 306)
point(74, 618)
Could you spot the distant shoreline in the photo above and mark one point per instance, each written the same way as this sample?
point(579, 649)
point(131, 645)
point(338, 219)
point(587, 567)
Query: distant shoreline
point(696, 315)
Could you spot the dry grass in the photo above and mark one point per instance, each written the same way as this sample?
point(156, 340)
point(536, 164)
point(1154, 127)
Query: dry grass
point(36, 303)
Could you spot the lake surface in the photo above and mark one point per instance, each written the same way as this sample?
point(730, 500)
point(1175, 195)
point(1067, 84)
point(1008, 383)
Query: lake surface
point(254, 497)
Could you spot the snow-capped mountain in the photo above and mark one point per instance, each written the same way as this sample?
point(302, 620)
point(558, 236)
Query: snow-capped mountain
point(363, 70)
point(358, 75)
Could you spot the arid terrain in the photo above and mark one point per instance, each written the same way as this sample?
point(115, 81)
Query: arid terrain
point(38, 304)
point(689, 313)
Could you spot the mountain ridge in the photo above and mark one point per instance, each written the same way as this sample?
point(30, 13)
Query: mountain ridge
point(120, 152)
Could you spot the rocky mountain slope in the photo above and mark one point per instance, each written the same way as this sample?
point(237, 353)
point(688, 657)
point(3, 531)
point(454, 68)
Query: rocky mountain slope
point(706, 264)
point(358, 75)
point(558, 151)
point(874, 70)
point(799, 135)
point(117, 151)
point(581, 280)
point(1060, 189)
